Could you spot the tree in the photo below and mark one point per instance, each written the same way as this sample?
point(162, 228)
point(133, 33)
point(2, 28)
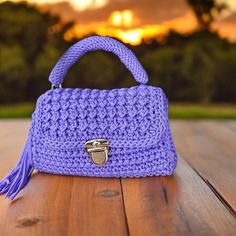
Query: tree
point(12, 67)
point(206, 11)
point(30, 44)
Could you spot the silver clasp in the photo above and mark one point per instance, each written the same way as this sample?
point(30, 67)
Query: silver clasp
point(98, 150)
point(56, 87)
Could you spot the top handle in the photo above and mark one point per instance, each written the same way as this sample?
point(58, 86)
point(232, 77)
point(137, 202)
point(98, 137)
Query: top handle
point(94, 43)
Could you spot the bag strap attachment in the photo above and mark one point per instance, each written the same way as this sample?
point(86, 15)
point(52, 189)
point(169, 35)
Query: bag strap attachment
point(75, 52)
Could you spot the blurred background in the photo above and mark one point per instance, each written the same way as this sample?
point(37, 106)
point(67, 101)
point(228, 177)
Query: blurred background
point(188, 48)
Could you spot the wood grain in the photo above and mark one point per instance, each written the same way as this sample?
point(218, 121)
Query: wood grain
point(12, 140)
point(58, 205)
point(191, 202)
point(230, 125)
point(178, 205)
point(210, 148)
point(65, 205)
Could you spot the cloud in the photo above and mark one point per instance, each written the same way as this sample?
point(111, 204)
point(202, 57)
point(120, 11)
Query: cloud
point(174, 14)
point(148, 11)
point(227, 27)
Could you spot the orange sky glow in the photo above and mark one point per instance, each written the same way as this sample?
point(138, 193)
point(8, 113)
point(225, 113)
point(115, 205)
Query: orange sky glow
point(133, 21)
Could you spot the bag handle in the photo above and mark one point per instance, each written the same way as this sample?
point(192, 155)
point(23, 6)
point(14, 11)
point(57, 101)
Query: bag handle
point(75, 52)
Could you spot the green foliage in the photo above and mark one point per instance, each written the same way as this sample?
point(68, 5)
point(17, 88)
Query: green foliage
point(163, 68)
point(194, 68)
point(13, 66)
point(225, 75)
point(199, 67)
point(100, 70)
point(176, 111)
point(26, 26)
point(29, 47)
point(41, 69)
point(195, 111)
point(22, 110)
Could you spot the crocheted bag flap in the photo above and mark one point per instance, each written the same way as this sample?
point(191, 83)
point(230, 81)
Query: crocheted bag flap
point(127, 117)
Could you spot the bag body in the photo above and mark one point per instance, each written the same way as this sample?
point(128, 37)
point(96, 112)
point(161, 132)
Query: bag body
point(134, 121)
point(103, 133)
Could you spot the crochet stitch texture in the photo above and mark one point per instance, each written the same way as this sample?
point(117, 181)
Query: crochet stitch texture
point(75, 52)
point(133, 120)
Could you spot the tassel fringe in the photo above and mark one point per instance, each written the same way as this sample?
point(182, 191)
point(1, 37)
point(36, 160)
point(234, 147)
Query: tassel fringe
point(16, 180)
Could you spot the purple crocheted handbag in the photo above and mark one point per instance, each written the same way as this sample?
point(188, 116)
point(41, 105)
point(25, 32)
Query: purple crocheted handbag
point(89, 132)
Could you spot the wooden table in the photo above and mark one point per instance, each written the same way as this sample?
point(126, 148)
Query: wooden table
point(199, 199)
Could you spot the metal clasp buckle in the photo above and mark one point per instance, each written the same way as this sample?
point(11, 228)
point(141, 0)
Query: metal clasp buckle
point(56, 87)
point(98, 150)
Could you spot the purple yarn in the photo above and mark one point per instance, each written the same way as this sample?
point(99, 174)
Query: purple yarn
point(74, 53)
point(134, 121)
point(19, 176)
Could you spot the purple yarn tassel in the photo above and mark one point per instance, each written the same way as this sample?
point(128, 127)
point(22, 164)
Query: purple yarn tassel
point(16, 180)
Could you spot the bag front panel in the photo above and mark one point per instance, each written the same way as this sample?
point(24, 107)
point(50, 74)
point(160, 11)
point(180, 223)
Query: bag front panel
point(134, 121)
point(157, 160)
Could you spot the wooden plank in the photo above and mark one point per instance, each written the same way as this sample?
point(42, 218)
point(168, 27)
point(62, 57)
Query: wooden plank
point(179, 205)
point(12, 128)
point(12, 133)
point(230, 125)
point(61, 205)
point(210, 148)
point(13, 137)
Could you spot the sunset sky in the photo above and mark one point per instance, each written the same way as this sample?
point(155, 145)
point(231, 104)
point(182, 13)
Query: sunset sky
point(134, 20)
